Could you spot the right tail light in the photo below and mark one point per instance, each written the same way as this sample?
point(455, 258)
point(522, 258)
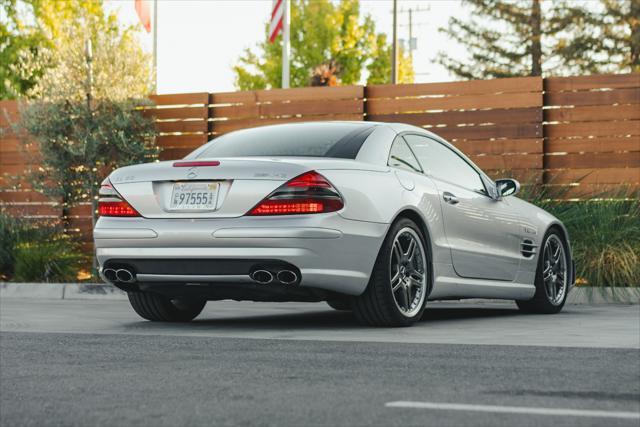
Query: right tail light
point(309, 193)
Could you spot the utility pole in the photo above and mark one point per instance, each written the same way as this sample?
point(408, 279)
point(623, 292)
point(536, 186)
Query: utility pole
point(411, 34)
point(394, 51)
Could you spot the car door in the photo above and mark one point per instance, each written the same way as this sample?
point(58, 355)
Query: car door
point(482, 232)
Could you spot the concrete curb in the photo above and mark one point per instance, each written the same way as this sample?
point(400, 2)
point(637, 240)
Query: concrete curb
point(82, 291)
point(581, 295)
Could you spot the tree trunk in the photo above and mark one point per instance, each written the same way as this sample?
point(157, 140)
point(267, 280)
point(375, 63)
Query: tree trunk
point(536, 43)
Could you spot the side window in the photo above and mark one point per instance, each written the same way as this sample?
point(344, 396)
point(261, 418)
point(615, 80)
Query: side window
point(443, 163)
point(401, 157)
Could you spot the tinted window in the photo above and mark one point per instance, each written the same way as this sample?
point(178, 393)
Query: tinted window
point(401, 157)
point(441, 162)
point(341, 140)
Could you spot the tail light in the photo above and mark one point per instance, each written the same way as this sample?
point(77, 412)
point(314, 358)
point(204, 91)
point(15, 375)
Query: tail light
point(308, 193)
point(111, 203)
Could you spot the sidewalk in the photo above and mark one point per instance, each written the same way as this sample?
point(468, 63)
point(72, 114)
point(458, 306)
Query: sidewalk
point(88, 291)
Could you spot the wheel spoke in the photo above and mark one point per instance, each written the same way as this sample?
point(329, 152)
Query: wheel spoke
point(546, 273)
point(411, 250)
point(408, 297)
point(403, 300)
point(395, 281)
point(551, 287)
point(397, 249)
point(416, 275)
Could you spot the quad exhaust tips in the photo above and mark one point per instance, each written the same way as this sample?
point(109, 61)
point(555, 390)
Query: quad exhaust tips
point(120, 275)
point(264, 277)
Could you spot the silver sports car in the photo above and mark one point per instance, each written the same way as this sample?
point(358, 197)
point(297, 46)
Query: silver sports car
point(376, 218)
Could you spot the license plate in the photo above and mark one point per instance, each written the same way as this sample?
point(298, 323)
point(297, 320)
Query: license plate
point(194, 195)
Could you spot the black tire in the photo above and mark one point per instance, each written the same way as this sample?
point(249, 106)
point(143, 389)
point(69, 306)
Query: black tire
point(159, 308)
point(377, 305)
point(340, 304)
point(541, 302)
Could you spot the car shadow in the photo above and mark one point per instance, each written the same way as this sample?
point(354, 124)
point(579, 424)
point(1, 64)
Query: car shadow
point(324, 319)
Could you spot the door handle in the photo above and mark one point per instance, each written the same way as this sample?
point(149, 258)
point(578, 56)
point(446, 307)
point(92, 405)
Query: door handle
point(450, 198)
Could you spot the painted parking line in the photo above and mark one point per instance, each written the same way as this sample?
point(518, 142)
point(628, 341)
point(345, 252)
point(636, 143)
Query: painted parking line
point(515, 410)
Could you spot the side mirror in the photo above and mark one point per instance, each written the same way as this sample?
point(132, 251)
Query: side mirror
point(507, 187)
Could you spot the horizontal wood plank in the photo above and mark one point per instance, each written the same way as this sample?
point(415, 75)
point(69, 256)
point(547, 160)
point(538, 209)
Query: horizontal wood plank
point(494, 116)
point(225, 126)
point(190, 126)
point(32, 209)
point(8, 196)
point(594, 176)
point(593, 160)
point(517, 161)
point(583, 129)
point(178, 113)
point(500, 146)
point(557, 84)
point(295, 94)
point(592, 145)
point(618, 96)
point(181, 98)
point(307, 107)
point(486, 132)
point(463, 102)
point(597, 113)
point(181, 141)
point(471, 87)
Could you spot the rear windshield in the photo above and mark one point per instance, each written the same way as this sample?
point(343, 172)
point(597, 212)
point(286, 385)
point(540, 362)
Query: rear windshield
point(340, 140)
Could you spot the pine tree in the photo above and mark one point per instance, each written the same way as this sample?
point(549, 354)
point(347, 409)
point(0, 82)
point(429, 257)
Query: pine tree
point(503, 39)
point(507, 38)
point(604, 39)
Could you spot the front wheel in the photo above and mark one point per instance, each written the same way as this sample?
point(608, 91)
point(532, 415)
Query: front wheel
point(397, 291)
point(553, 276)
point(159, 308)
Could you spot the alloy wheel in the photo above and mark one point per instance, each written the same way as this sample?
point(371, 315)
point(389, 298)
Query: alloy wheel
point(408, 275)
point(555, 270)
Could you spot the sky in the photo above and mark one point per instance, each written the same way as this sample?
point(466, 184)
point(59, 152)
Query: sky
point(199, 41)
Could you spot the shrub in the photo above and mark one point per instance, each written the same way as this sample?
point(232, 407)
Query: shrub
point(604, 232)
point(37, 251)
point(55, 261)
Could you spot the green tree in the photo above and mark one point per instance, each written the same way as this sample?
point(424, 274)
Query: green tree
point(380, 67)
point(507, 38)
point(603, 39)
point(45, 51)
point(20, 41)
point(502, 38)
point(322, 32)
point(80, 147)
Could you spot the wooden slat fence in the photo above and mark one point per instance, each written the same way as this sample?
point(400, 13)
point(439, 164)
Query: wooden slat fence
point(581, 132)
point(592, 132)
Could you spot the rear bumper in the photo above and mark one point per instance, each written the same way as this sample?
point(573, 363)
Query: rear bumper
point(330, 252)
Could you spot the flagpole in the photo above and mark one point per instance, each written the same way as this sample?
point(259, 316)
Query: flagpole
point(285, 45)
point(155, 46)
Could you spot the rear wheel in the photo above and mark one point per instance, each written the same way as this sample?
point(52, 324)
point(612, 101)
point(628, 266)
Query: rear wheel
point(159, 308)
point(397, 291)
point(552, 276)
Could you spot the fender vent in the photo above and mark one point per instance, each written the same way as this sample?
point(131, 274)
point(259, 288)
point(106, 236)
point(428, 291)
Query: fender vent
point(528, 248)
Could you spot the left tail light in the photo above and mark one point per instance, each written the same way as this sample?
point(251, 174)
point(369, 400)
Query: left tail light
point(309, 193)
point(111, 203)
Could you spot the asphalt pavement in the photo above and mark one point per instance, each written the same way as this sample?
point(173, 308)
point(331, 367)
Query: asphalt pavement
point(65, 362)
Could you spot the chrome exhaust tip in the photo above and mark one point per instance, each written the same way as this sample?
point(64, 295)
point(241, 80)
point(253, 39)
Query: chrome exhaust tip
point(262, 276)
point(125, 276)
point(287, 277)
point(110, 274)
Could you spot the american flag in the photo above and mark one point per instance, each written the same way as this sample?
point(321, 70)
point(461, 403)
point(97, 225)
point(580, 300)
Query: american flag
point(277, 19)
